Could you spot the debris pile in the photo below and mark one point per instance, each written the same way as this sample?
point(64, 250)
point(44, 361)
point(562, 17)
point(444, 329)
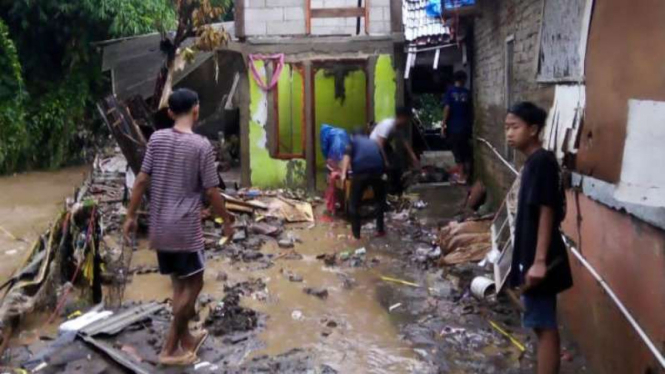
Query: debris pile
point(229, 317)
point(468, 241)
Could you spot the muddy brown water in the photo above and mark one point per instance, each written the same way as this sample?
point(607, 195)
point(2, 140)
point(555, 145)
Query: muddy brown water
point(365, 339)
point(29, 202)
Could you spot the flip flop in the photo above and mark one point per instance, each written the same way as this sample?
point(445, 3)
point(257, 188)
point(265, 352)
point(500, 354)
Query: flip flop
point(184, 359)
point(201, 338)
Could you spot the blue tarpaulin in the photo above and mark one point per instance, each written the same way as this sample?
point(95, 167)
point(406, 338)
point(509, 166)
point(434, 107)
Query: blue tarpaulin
point(333, 142)
point(433, 8)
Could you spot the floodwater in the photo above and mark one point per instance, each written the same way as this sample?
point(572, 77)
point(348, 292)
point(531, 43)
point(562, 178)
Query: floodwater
point(29, 202)
point(365, 338)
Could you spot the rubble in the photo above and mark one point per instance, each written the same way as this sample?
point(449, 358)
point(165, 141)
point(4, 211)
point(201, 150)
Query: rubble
point(228, 316)
point(321, 293)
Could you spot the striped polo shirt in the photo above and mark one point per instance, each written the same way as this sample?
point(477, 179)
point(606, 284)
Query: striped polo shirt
point(181, 167)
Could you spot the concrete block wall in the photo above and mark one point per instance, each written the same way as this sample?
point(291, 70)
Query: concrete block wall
point(502, 19)
point(287, 18)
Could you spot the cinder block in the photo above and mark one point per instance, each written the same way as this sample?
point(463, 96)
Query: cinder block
point(334, 3)
point(284, 3)
point(379, 3)
point(334, 22)
point(286, 28)
point(255, 4)
point(378, 27)
point(265, 14)
point(294, 13)
point(375, 14)
point(256, 28)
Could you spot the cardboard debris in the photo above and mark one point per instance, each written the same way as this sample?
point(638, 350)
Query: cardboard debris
point(291, 211)
point(472, 253)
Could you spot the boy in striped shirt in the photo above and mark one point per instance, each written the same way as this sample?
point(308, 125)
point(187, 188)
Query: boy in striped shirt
point(179, 167)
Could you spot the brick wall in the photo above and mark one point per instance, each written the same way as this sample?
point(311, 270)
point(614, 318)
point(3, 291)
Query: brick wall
point(500, 20)
point(287, 17)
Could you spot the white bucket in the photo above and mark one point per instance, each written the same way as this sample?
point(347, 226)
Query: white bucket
point(481, 287)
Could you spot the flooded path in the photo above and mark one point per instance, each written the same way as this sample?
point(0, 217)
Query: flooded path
point(28, 204)
point(363, 336)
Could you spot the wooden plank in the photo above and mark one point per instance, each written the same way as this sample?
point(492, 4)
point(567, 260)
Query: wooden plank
point(366, 15)
point(238, 208)
point(339, 13)
point(250, 204)
point(240, 19)
point(310, 131)
point(396, 17)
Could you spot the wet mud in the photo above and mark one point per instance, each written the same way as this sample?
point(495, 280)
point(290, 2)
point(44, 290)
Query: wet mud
point(323, 304)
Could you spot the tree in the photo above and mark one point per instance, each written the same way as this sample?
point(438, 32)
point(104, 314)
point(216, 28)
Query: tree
point(194, 20)
point(50, 78)
point(12, 129)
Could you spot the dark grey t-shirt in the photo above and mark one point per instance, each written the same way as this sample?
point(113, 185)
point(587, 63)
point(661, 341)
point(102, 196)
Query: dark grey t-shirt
point(540, 186)
point(181, 167)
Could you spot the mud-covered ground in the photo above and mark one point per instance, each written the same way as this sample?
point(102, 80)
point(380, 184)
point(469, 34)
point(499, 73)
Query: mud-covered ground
point(323, 306)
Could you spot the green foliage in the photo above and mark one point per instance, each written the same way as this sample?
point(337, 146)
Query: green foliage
point(53, 124)
point(430, 110)
point(132, 17)
point(50, 75)
point(12, 130)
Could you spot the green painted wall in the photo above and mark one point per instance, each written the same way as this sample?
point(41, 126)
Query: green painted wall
point(267, 172)
point(385, 88)
point(348, 113)
point(290, 104)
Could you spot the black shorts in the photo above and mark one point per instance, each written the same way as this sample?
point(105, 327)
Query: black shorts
point(461, 147)
point(180, 264)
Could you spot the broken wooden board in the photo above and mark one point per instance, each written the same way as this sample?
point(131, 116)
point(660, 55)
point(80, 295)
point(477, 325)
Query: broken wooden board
point(472, 253)
point(290, 210)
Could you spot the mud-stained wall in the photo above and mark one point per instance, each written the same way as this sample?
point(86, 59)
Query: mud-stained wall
point(630, 255)
point(265, 171)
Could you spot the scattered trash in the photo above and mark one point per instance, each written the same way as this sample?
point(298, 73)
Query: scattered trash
point(221, 276)
point(512, 339)
point(229, 317)
point(296, 315)
point(360, 252)
point(202, 365)
point(399, 281)
point(394, 306)
point(482, 287)
point(420, 204)
point(11, 252)
point(321, 293)
point(295, 278)
point(81, 322)
point(285, 243)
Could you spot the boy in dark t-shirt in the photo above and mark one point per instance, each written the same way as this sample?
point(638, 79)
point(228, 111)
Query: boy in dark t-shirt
point(540, 264)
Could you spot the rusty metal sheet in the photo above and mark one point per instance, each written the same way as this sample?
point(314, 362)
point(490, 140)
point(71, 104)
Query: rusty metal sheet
point(624, 61)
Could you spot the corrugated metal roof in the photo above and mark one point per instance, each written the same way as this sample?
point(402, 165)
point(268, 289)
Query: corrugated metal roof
point(418, 26)
point(136, 62)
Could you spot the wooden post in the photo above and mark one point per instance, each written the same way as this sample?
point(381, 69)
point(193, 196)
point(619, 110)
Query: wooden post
point(308, 17)
point(367, 17)
point(310, 126)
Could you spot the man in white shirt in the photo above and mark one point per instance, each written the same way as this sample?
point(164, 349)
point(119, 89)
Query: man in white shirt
point(384, 133)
